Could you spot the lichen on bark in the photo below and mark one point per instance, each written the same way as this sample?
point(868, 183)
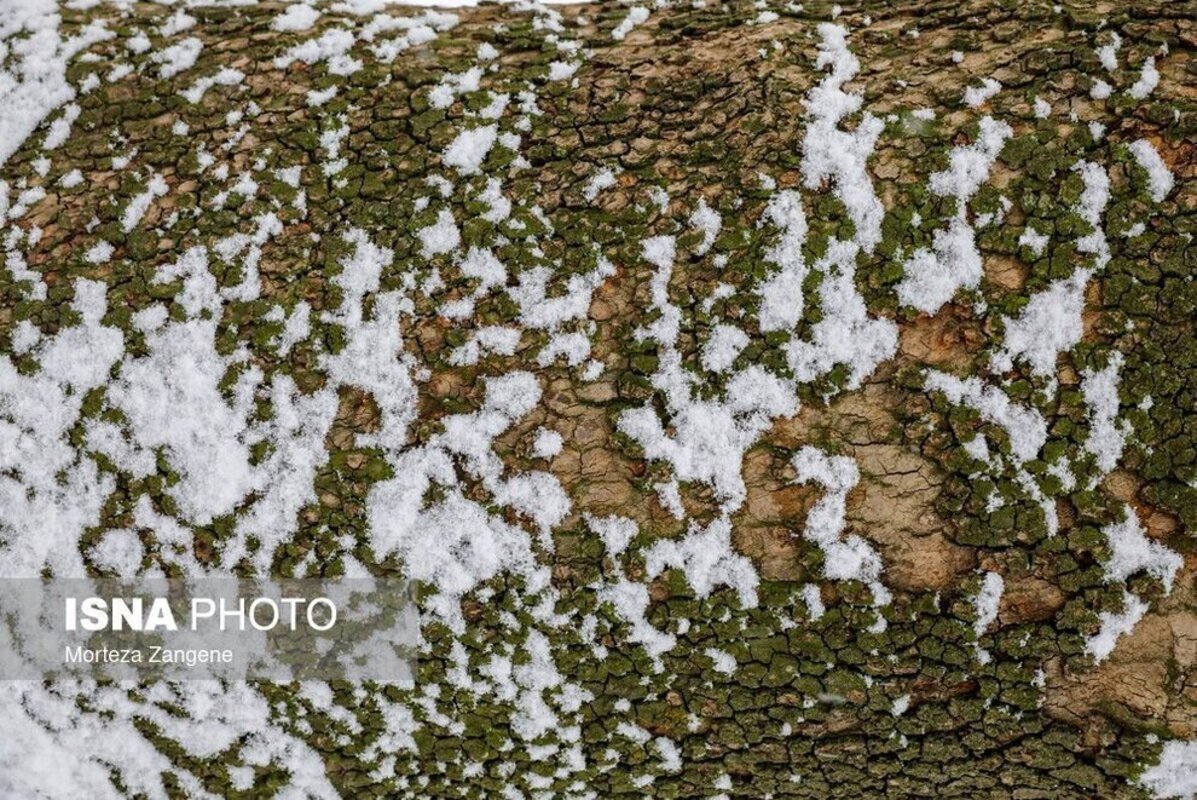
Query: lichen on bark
point(602, 143)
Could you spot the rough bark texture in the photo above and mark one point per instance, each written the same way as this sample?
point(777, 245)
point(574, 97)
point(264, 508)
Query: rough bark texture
point(702, 101)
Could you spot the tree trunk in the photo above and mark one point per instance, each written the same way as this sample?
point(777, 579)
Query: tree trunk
point(879, 337)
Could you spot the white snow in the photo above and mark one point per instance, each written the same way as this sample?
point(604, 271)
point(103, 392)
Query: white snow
point(969, 165)
point(141, 203)
point(722, 347)
point(1033, 240)
point(1051, 322)
point(120, 550)
point(318, 97)
point(671, 757)
point(178, 57)
point(499, 206)
point(630, 600)
point(933, 276)
point(846, 334)
point(1107, 434)
point(847, 557)
point(60, 128)
point(225, 77)
point(563, 70)
point(332, 46)
point(467, 152)
point(616, 532)
point(488, 339)
point(813, 599)
point(1175, 774)
point(1149, 78)
point(1100, 90)
point(842, 156)
point(707, 220)
point(99, 253)
point(296, 17)
point(721, 661)
point(1131, 551)
point(1108, 54)
point(977, 95)
point(987, 601)
point(296, 327)
point(710, 437)
point(1159, 178)
point(603, 179)
point(1047, 326)
point(442, 236)
point(1115, 625)
point(47, 492)
point(636, 16)
point(177, 23)
point(331, 141)
point(453, 84)
point(197, 406)
point(34, 84)
point(708, 561)
point(1025, 427)
point(781, 293)
point(547, 444)
point(173, 401)
point(669, 494)
point(1091, 207)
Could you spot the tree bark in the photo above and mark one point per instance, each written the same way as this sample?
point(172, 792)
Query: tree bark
point(623, 136)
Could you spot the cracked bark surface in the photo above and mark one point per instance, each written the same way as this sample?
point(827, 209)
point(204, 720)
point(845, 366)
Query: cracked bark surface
point(699, 101)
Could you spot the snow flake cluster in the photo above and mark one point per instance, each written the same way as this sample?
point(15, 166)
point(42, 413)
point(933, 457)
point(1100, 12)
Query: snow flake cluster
point(95, 410)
